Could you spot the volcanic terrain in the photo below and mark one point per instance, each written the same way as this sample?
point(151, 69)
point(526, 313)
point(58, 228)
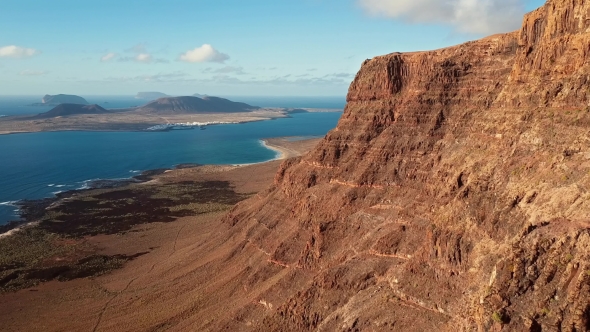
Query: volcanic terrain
point(454, 195)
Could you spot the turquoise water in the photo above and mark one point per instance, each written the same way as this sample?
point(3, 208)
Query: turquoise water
point(38, 165)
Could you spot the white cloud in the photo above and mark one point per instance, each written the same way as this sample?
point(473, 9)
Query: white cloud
point(33, 72)
point(108, 57)
point(143, 57)
point(17, 52)
point(466, 16)
point(205, 53)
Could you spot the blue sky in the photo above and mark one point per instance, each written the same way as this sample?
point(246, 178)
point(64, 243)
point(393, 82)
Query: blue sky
point(225, 47)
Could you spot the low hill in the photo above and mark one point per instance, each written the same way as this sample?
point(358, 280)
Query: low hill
point(191, 104)
point(70, 109)
point(62, 99)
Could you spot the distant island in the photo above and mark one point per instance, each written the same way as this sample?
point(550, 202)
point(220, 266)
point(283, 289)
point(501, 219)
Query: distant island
point(54, 100)
point(166, 113)
point(150, 95)
point(69, 110)
point(184, 105)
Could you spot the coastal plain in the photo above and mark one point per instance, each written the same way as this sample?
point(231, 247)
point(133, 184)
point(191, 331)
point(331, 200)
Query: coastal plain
point(138, 255)
point(128, 121)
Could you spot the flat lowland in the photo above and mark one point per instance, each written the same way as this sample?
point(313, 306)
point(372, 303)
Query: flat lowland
point(127, 120)
point(98, 263)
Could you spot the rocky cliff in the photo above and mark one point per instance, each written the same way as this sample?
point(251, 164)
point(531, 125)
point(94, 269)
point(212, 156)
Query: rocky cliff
point(453, 195)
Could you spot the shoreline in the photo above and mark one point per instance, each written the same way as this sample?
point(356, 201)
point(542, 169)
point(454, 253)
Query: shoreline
point(91, 232)
point(132, 129)
point(29, 210)
point(131, 122)
point(281, 146)
point(280, 153)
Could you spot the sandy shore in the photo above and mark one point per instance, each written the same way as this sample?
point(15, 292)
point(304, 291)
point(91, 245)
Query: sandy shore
point(287, 147)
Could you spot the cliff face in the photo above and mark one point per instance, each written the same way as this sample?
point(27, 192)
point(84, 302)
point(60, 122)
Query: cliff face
point(551, 68)
point(453, 194)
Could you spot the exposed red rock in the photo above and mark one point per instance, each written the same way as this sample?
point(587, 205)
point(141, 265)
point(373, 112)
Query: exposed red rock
point(453, 194)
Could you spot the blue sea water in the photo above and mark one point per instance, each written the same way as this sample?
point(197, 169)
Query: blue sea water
point(37, 165)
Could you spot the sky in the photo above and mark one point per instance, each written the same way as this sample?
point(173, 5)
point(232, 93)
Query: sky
point(225, 47)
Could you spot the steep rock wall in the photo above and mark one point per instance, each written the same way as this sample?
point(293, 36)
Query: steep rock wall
point(453, 194)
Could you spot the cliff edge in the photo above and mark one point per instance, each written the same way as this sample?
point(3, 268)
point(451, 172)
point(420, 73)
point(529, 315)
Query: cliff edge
point(453, 195)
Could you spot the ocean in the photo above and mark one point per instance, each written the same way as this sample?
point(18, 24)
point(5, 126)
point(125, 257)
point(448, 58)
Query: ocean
point(39, 165)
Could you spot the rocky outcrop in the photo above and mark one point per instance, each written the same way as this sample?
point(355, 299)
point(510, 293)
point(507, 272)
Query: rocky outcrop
point(49, 100)
point(453, 195)
point(175, 105)
point(551, 67)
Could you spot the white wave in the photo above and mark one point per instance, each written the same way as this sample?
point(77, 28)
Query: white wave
point(278, 153)
point(60, 185)
point(132, 171)
point(85, 184)
point(57, 192)
point(9, 203)
point(50, 185)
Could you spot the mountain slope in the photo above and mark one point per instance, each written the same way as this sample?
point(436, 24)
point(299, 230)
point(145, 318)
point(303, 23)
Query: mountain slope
point(71, 109)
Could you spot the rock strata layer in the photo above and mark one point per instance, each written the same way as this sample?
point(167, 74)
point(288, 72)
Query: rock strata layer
point(454, 194)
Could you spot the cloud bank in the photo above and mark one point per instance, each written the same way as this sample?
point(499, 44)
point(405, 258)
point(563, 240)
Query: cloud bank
point(17, 52)
point(465, 16)
point(205, 53)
